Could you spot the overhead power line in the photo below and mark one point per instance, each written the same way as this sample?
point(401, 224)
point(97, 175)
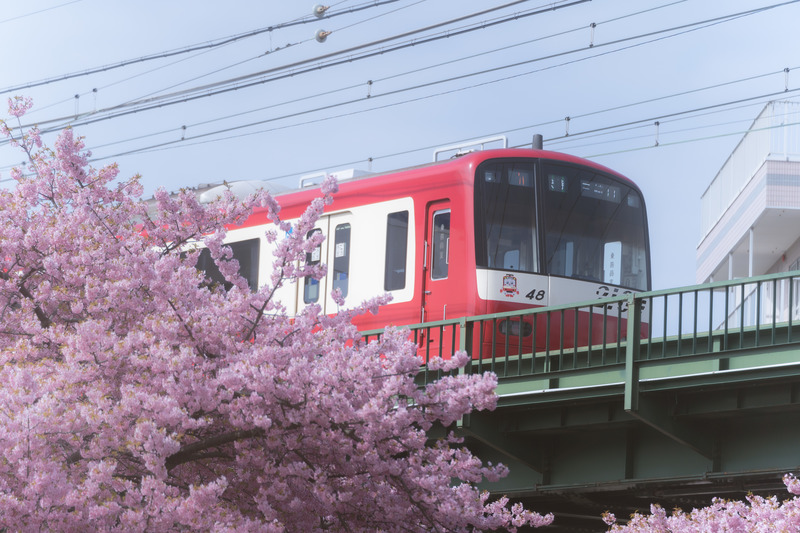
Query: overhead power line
point(717, 108)
point(684, 28)
point(229, 66)
point(237, 83)
point(695, 139)
point(232, 65)
point(644, 122)
point(352, 163)
point(618, 127)
point(588, 156)
point(372, 83)
point(186, 50)
point(39, 11)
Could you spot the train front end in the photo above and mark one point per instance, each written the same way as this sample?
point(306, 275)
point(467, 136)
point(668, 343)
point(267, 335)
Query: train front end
point(552, 230)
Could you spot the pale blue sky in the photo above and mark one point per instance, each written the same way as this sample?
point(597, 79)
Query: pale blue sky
point(651, 60)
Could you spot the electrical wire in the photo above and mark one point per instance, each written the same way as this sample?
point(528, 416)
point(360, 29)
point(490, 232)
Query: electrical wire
point(646, 121)
point(428, 84)
point(235, 84)
point(11, 19)
point(372, 159)
point(588, 133)
point(364, 21)
point(118, 82)
point(227, 67)
point(456, 32)
point(568, 141)
point(188, 49)
point(587, 156)
point(329, 91)
point(682, 28)
point(611, 128)
point(659, 118)
point(696, 139)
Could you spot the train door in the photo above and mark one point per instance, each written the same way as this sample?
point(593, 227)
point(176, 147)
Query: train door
point(309, 290)
point(338, 259)
point(335, 253)
point(437, 280)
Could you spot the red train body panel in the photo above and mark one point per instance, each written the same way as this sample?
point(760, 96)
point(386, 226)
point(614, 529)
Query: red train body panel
point(487, 232)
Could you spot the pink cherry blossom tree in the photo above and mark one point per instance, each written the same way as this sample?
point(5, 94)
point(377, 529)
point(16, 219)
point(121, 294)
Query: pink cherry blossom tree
point(754, 515)
point(136, 397)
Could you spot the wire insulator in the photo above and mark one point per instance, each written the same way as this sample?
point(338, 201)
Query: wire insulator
point(321, 35)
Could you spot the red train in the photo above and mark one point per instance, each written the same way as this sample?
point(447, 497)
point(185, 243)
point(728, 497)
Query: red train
point(486, 232)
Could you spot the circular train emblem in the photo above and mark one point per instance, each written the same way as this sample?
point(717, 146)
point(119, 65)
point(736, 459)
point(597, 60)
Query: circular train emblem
point(509, 288)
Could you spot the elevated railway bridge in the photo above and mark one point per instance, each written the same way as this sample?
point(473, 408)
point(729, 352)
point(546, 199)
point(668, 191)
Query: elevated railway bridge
point(693, 393)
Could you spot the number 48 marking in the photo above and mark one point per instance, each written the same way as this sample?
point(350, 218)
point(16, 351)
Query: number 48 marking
point(535, 295)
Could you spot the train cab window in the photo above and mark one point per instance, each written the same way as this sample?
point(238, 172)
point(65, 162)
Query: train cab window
point(311, 285)
point(595, 227)
point(394, 275)
point(505, 216)
point(440, 247)
point(245, 252)
point(341, 258)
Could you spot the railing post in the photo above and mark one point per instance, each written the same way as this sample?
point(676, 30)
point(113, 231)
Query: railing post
point(631, 353)
point(463, 344)
point(790, 309)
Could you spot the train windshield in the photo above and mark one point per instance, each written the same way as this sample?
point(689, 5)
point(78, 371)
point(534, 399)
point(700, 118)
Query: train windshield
point(505, 217)
point(592, 225)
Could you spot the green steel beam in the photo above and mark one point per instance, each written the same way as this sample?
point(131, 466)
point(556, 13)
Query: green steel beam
point(715, 402)
point(631, 401)
point(660, 417)
point(639, 412)
point(485, 429)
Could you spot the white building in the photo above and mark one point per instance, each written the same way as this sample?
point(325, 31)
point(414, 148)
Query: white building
point(751, 210)
point(750, 213)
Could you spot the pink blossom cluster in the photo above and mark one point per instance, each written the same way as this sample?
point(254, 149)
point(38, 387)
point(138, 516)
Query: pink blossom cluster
point(136, 397)
point(754, 515)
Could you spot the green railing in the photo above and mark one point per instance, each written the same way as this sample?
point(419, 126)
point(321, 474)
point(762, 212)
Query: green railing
point(688, 321)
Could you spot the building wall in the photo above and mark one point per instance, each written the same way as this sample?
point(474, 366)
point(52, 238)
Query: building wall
point(731, 228)
point(775, 134)
point(757, 187)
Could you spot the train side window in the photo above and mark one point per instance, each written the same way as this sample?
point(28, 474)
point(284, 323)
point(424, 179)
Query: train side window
point(311, 285)
point(440, 249)
point(245, 252)
point(341, 258)
point(394, 274)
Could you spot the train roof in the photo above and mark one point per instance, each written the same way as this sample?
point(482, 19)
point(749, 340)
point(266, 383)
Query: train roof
point(471, 158)
point(311, 182)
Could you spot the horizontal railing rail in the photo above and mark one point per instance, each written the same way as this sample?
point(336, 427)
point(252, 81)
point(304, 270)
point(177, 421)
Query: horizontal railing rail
point(648, 326)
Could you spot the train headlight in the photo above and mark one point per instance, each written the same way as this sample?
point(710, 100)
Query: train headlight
point(512, 327)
